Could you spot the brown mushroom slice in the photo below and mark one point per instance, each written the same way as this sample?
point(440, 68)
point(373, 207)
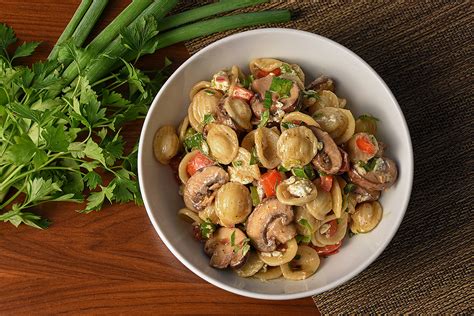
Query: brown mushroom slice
point(296, 147)
point(268, 273)
point(321, 83)
point(329, 159)
point(200, 189)
point(270, 224)
point(221, 249)
point(252, 265)
point(304, 265)
point(283, 254)
point(366, 217)
point(232, 203)
point(364, 195)
point(383, 175)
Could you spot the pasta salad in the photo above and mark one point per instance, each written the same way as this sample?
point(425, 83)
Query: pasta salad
point(274, 173)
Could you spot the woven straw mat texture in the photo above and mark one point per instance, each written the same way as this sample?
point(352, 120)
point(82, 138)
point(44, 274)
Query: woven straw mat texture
point(423, 51)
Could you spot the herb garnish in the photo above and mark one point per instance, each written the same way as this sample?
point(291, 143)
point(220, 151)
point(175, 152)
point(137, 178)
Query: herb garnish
point(368, 117)
point(370, 165)
point(208, 118)
point(253, 157)
point(288, 125)
point(207, 228)
point(311, 94)
point(254, 195)
point(306, 172)
point(281, 86)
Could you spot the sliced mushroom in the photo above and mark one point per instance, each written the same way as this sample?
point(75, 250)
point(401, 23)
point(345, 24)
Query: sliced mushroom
point(270, 224)
point(321, 83)
point(345, 165)
point(380, 178)
point(201, 188)
point(329, 159)
point(221, 249)
point(363, 195)
point(262, 85)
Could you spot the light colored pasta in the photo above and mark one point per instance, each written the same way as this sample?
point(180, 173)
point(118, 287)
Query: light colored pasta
point(223, 143)
point(295, 191)
point(241, 171)
point(189, 216)
point(324, 235)
point(281, 256)
point(366, 217)
point(298, 117)
point(306, 223)
point(304, 266)
point(165, 144)
point(251, 266)
point(321, 205)
point(266, 147)
point(268, 273)
point(204, 103)
point(232, 204)
point(296, 147)
point(336, 196)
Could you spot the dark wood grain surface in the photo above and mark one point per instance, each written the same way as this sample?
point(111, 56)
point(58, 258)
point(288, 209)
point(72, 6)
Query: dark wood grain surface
point(110, 261)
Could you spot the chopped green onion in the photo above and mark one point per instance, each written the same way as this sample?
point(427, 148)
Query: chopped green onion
point(304, 222)
point(288, 125)
point(207, 228)
point(210, 92)
point(232, 239)
point(281, 86)
point(253, 157)
point(194, 141)
point(88, 21)
point(311, 94)
point(208, 118)
point(368, 117)
point(264, 119)
point(247, 81)
point(301, 238)
point(282, 169)
point(267, 102)
point(299, 172)
point(254, 195)
point(370, 165)
point(306, 172)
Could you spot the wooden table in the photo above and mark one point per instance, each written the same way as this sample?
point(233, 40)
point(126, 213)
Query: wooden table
point(110, 261)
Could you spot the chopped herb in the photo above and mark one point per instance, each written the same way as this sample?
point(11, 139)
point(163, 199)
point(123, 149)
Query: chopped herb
point(302, 238)
point(208, 118)
point(281, 86)
point(194, 141)
point(368, 117)
point(210, 92)
point(288, 125)
point(189, 132)
point(232, 239)
point(207, 228)
point(282, 169)
point(311, 94)
point(304, 222)
point(264, 119)
point(370, 165)
point(297, 257)
point(247, 81)
point(254, 196)
point(253, 157)
point(285, 68)
point(306, 172)
point(267, 102)
point(237, 163)
point(350, 187)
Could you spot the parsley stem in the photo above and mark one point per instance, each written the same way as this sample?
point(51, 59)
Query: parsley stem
point(202, 12)
point(71, 27)
point(13, 197)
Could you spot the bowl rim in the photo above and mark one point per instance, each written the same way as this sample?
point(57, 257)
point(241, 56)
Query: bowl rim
point(369, 260)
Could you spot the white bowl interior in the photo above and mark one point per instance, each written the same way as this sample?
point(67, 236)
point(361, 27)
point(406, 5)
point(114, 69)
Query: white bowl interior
point(355, 81)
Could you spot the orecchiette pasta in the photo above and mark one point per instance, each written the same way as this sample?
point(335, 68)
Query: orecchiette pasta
point(266, 147)
point(263, 164)
point(296, 147)
point(232, 204)
point(223, 143)
point(165, 144)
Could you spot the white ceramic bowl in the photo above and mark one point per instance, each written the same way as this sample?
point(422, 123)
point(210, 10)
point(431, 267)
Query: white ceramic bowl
point(355, 80)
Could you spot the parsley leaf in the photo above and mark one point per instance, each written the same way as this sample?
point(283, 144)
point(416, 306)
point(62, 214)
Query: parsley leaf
point(264, 119)
point(25, 49)
point(207, 228)
point(281, 86)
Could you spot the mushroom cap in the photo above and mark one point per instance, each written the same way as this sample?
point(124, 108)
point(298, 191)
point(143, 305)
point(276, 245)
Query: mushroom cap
point(200, 189)
point(382, 177)
point(329, 159)
point(270, 224)
point(365, 195)
point(219, 247)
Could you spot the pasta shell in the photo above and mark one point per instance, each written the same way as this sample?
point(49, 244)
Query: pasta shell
point(265, 64)
point(239, 111)
point(223, 143)
point(295, 191)
point(321, 205)
point(248, 142)
point(350, 128)
point(251, 266)
point(204, 102)
point(366, 217)
point(302, 268)
point(268, 273)
point(322, 239)
point(165, 144)
point(201, 85)
point(279, 257)
point(266, 147)
point(332, 120)
point(301, 215)
point(295, 117)
point(182, 129)
point(336, 195)
point(296, 147)
point(189, 216)
point(183, 164)
point(232, 204)
point(241, 171)
point(209, 214)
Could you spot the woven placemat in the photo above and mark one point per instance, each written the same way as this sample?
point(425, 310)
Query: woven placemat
point(423, 50)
